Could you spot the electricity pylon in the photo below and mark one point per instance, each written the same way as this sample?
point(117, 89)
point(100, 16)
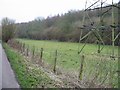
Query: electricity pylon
point(96, 29)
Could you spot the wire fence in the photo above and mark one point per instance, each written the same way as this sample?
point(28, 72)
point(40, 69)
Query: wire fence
point(92, 70)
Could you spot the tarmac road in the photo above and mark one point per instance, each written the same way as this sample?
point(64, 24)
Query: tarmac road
point(8, 77)
point(0, 67)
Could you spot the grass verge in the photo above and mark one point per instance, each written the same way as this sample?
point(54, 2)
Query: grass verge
point(27, 75)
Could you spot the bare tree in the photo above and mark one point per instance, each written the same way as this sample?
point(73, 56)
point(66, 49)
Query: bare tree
point(8, 29)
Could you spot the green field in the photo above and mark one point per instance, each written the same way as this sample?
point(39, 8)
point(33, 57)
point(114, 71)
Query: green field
point(68, 59)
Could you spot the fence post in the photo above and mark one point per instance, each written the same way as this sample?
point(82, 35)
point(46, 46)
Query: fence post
point(54, 69)
point(81, 67)
point(23, 47)
point(41, 54)
point(18, 46)
point(98, 46)
point(33, 53)
point(27, 50)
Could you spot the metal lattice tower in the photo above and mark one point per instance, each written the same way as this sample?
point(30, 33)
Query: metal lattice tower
point(96, 29)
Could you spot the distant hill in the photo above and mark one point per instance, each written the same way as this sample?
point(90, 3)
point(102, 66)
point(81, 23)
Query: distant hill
point(66, 27)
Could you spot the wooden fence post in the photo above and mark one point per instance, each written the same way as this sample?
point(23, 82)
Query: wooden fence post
point(33, 53)
point(23, 47)
point(18, 45)
point(54, 69)
point(81, 67)
point(98, 46)
point(27, 51)
point(41, 54)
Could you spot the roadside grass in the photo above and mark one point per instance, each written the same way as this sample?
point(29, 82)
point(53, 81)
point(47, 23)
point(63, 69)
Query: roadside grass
point(28, 76)
point(68, 59)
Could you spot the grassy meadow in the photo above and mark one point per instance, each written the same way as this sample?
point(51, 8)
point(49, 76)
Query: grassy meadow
point(99, 68)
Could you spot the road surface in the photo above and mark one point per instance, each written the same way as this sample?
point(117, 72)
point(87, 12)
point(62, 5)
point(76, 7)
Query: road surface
point(0, 67)
point(8, 76)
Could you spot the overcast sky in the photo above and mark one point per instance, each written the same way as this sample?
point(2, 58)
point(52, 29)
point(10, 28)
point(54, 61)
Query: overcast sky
point(27, 10)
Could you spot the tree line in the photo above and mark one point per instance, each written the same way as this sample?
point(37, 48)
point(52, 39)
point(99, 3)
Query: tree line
point(64, 27)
